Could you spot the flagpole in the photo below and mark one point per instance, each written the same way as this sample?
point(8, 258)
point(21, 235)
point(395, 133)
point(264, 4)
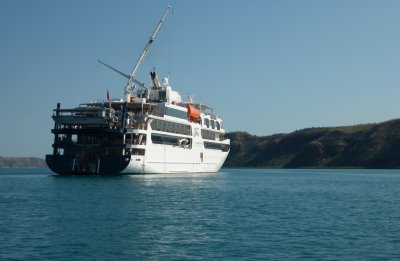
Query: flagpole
point(108, 99)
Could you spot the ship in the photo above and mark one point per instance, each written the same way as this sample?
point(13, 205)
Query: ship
point(150, 130)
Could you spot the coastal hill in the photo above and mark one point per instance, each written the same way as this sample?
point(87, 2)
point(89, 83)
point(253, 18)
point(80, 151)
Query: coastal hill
point(20, 162)
point(359, 146)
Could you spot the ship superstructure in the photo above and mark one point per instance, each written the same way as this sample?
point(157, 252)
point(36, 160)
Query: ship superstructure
point(150, 130)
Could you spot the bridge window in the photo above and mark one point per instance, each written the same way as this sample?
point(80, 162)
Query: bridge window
point(207, 122)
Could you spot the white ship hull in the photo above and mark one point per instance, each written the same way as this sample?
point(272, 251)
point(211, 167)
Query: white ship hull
point(168, 159)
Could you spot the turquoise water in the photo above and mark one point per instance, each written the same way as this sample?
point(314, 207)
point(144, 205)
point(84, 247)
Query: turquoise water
point(233, 215)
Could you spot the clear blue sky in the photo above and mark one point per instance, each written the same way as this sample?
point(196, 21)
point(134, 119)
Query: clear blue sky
point(265, 66)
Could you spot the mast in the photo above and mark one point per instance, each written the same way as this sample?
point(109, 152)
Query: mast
point(147, 47)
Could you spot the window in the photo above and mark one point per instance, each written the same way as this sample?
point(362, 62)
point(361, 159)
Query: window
point(163, 95)
point(170, 140)
point(171, 127)
point(207, 122)
point(208, 135)
point(160, 139)
point(136, 139)
point(175, 113)
point(216, 146)
point(138, 152)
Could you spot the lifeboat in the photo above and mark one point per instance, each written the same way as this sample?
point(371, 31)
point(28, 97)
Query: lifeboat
point(193, 114)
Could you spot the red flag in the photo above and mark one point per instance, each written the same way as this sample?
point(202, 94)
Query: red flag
point(108, 99)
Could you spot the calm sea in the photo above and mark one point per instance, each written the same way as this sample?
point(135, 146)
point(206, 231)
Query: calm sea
point(233, 215)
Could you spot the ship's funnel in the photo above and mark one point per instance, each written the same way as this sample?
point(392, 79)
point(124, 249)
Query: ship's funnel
point(154, 79)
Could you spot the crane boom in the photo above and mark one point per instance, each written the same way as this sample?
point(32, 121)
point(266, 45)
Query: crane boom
point(147, 47)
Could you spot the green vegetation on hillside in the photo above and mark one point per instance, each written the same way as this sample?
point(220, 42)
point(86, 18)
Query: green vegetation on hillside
point(359, 146)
